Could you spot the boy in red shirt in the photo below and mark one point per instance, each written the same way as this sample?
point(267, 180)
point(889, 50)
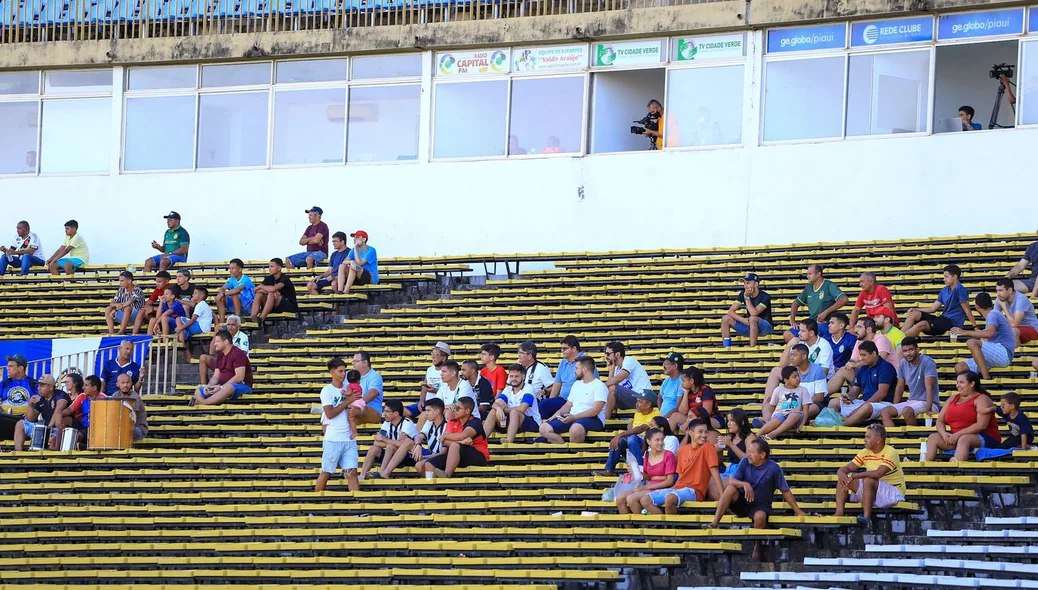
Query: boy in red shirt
point(491, 371)
point(465, 441)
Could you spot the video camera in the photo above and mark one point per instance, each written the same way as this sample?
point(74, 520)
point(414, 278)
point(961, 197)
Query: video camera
point(650, 122)
point(999, 70)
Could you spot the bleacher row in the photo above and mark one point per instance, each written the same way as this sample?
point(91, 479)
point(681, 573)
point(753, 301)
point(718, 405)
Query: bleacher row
point(224, 495)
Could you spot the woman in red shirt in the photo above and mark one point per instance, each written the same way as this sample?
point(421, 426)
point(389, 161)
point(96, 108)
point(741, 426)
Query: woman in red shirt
point(698, 403)
point(971, 428)
point(659, 470)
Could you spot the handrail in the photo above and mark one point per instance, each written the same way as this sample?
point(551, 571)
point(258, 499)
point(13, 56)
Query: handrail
point(157, 357)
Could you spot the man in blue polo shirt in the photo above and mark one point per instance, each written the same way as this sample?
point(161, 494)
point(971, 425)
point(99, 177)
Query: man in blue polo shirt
point(565, 376)
point(872, 389)
point(372, 389)
point(174, 246)
point(670, 388)
point(122, 364)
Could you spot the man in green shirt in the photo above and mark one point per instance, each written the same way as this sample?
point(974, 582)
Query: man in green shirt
point(821, 296)
point(174, 245)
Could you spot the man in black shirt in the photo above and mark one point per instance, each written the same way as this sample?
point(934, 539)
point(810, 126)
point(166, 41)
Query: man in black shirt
point(44, 411)
point(276, 294)
point(757, 307)
point(481, 386)
point(183, 289)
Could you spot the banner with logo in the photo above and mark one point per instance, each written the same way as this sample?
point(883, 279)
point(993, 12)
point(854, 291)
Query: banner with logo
point(472, 63)
point(704, 48)
point(807, 38)
point(889, 32)
point(628, 53)
point(549, 59)
point(970, 25)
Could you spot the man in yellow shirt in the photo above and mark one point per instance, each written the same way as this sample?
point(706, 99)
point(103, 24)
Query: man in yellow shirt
point(656, 137)
point(881, 485)
point(73, 252)
point(632, 439)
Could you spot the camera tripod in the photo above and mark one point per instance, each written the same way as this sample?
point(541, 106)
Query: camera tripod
point(993, 123)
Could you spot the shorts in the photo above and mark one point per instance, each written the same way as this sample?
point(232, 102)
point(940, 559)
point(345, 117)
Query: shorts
point(337, 455)
point(1028, 334)
point(763, 328)
point(878, 407)
point(413, 410)
point(989, 442)
point(659, 497)
point(995, 355)
point(284, 306)
point(848, 408)
point(528, 425)
point(362, 278)
point(76, 263)
point(886, 495)
point(1029, 283)
point(918, 406)
point(322, 283)
point(192, 330)
point(173, 259)
point(30, 427)
point(550, 406)
point(626, 398)
point(138, 433)
point(938, 324)
point(409, 461)
point(240, 389)
point(133, 315)
point(743, 509)
point(783, 415)
point(300, 259)
point(468, 457)
point(589, 424)
point(245, 297)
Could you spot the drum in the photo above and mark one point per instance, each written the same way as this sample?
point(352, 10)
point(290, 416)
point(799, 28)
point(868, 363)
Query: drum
point(69, 440)
point(111, 425)
point(39, 437)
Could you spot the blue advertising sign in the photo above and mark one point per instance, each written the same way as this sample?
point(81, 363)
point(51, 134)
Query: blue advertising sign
point(807, 38)
point(888, 32)
point(969, 25)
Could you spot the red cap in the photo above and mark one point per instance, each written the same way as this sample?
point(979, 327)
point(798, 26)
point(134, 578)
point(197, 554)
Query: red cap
point(359, 234)
point(884, 310)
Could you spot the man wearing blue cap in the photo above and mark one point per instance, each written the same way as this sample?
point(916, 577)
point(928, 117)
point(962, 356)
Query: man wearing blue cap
point(315, 238)
point(750, 313)
point(174, 246)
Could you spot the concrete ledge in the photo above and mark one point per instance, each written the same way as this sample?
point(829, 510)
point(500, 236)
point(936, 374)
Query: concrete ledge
point(768, 13)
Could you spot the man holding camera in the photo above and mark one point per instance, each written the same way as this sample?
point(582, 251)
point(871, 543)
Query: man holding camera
point(653, 124)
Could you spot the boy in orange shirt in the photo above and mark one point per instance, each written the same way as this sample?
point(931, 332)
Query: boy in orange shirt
point(699, 478)
point(491, 371)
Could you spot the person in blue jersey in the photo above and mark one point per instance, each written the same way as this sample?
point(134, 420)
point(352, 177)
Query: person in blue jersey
point(670, 388)
point(237, 293)
point(15, 392)
point(840, 340)
point(331, 277)
point(122, 364)
point(361, 264)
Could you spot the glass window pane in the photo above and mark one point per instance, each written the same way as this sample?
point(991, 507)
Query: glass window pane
point(236, 74)
point(387, 66)
point(19, 122)
point(162, 78)
point(309, 126)
point(383, 123)
point(311, 70)
point(547, 115)
point(170, 117)
point(76, 135)
point(1028, 84)
point(232, 130)
point(470, 119)
point(887, 93)
point(19, 82)
point(704, 107)
point(803, 99)
point(77, 81)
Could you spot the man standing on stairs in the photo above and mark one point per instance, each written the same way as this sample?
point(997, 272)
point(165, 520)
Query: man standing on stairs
point(339, 448)
point(881, 485)
point(821, 296)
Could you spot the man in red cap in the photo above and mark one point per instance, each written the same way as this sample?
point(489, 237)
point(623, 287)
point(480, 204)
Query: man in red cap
point(873, 297)
point(361, 264)
point(886, 324)
point(315, 237)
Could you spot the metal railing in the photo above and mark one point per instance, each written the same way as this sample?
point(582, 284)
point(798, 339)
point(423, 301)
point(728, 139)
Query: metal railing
point(28, 21)
point(157, 358)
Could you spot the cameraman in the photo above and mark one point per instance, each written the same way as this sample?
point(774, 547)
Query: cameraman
point(655, 136)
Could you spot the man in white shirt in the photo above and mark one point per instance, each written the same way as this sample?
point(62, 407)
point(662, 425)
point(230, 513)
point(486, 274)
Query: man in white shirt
point(396, 432)
point(452, 388)
point(239, 340)
point(538, 375)
point(515, 408)
point(339, 449)
point(627, 380)
point(22, 251)
point(584, 410)
point(441, 352)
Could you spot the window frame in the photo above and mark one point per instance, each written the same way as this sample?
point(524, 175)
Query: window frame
point(902, 48)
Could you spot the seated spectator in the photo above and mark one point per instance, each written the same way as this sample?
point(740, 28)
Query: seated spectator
point(865, 330)
point(966, 113)
point(153, 303)
point(953, 299)
point(790, 401)
point(733, 443)
point(481, 387)
point(372, 386)
point(698, 402)
point(48, 408)
point(122, 364)
point(426, 443)
point(239, 340)
point(881, 485)
point(330, 277)
point(917, 376)
point(515, 408)
point(125, 305)
point(812, 378)
point(22, 252)
point(15, 392)
point(659, 468)
point(631, 439)
point(967, 414)
point(565, 376)
point(361, 264)
point(1029, 287)
point(822, 298)
point(73, 252)
point(315, 239)
point(338, 449)
point(538, 375)
point(396, 432)
point(885, 327)
point(175, 244)
point(670, 441)
point(871, 391)
point(670, 388)
point(167, 317)
point(465, 441)
point(491, 371)
point(819, 351)
point(140, 414)
point(232, 374)
point(237, 294)
point(183, 289)
point(583, 412)
point(1021, 431)
point(441, 352)
point(452, 389)
point(1018, 309)
point(625, 378)
point(79, 410)
point(277, 294)
point(991, 348)
point(750, 314)
point(841, 342)
point(873, 297)
point(751, 489)
point(699, 478)
point(200, 322)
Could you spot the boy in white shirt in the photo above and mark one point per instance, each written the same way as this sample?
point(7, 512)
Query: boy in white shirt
point(339, 449)
point(789, 400)
point(200, 322)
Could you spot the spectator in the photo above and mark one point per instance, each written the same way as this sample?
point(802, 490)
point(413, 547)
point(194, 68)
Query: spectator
point(699, 479)
point(465, 441)
point(122, 364)
point(441, 352)
point(372, 387)
point(751, 489)
point(183, 290)
point(812, 378)
point(952, 299)
point(584, 410)
point(885, 319)
point(966, 113)
point(821, 296)
point(125, 305)
point(496, 374)
point(15, 392)
point(841, 342)
point(631, 439)
point(670, 441)
point(565, 376)
point(670, 388)
point(237, 294)
point(22, 251)
point(315, 238)
point(865, 330)
point(917, 376)
point(175, 244)
point(339, 449)
point(453, 388)
point(73, 252)
point(789, 401)
point(330, 277)
point(991, 348)
point(881, 485)
point(124, 390)
point(239, 340)
point(967, 413)
point(1028, 287)
point(361, 264)
point(538, 375)
point(79, 410)
point(733, 443)
point(820, 351)
point(277, 294)
point(871, 391)
point(626, 379)
point(169, 312)
point(699, 402)
point(152, 303)
point(46, 408)
point(1018, 309)
point(756, 304)
point(232, 375)
point(430, 437)
point(1021, 432)
point(396, 432)
point(481, 386)
point(659, 472)
point(873, 297)
point(200, 322)
point(515, 408)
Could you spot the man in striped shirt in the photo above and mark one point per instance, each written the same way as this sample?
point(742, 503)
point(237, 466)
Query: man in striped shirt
point(396, 432)
point(430, 436)
point(124, 306)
